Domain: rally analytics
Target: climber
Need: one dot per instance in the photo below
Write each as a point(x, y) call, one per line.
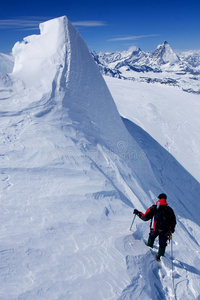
point(163, 222)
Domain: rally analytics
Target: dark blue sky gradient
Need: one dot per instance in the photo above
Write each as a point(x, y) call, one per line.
point(124, 23)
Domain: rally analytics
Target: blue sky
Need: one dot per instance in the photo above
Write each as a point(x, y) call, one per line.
point(107, 25)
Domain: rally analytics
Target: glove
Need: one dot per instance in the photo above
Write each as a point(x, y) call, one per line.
point(172, 230)
point(136, 212)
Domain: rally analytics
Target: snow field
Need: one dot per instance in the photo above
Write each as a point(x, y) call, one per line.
point(166, 113)
point(56, 241)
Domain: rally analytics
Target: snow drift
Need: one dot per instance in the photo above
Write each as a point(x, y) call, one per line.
point(71, 172)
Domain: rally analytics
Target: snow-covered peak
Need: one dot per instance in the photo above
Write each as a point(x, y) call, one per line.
point(165, 54)
point(132, 51)
point(192, 57)
point(38, 57)
point(58, 62)
point(112, 59)
point(86, 94)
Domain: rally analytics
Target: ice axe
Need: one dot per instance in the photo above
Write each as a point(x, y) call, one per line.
point(132, 221)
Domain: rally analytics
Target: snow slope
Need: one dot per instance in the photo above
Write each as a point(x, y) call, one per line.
point(169, 115)
point(6, 63)
point(71, 173)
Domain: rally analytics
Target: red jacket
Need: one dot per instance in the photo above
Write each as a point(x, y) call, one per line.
point(156, 213)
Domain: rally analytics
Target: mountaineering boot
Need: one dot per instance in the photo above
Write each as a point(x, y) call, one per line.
point(161, 252)
point(157, 257)
point(150, 242)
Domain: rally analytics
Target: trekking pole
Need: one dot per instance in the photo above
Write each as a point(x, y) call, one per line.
point(170, 239)
point(132, 222)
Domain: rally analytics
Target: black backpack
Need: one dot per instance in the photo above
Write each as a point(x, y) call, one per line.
point(163, 218)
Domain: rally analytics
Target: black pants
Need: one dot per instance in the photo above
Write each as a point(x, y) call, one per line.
point(163, 237)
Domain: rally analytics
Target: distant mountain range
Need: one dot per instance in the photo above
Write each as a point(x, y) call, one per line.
point(162, 66)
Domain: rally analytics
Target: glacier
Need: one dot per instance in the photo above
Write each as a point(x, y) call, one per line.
point(72, 170)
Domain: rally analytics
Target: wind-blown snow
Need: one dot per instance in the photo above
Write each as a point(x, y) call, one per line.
point(71, 173)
